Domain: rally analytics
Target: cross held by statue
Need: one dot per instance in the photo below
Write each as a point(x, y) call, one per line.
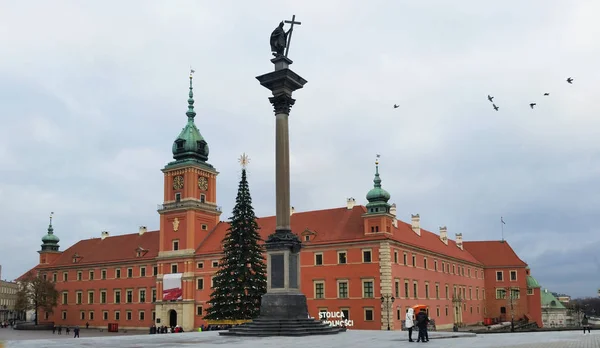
point(292, 22)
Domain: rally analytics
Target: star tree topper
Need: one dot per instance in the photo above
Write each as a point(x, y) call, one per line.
point(244, 160)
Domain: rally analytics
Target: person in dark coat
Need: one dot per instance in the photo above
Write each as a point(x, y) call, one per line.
point(586, 324)
point(422, 321)
point(76, 332)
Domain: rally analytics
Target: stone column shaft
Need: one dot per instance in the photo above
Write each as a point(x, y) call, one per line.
point(282, 171)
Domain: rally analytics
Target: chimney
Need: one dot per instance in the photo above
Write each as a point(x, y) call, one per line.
point(104, 235)
point(350, 202)
point(444, 234)
point(143, 230)
point(459, 241)
point(393, 212)
point(416, 224)
point(292, 211)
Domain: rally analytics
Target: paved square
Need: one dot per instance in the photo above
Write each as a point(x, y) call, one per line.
point(374, 339)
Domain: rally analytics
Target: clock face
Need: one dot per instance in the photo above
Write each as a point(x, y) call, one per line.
point(178, 182)
point(203, 183)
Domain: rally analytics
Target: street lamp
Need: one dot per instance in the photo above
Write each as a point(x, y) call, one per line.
point(387, 301)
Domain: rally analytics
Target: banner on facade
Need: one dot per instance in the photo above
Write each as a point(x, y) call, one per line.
point(172, 289)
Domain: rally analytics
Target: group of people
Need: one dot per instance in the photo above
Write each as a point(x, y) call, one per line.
point(421, 320)
point(165, 329)
point(58, 329)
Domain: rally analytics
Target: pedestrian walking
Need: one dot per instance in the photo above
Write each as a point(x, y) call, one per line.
point(422, 321)
point(586, 324)
point(76, 332)
point(409, 322)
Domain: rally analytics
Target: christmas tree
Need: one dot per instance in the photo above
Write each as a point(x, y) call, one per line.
point(241, 279)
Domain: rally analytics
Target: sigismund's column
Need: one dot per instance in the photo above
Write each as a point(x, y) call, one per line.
point(283, 298)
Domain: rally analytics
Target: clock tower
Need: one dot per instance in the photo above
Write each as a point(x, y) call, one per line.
point(189, 211)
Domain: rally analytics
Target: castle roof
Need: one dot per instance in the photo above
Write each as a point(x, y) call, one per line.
point(329, 226)
point(494, 253)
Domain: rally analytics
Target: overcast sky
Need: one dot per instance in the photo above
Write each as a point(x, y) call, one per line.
point(92, 95)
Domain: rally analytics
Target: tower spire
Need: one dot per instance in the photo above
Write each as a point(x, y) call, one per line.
point(50, 229)
point(377, 179)
point(191, 113)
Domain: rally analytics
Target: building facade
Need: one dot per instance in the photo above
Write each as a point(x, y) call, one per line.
point(362, 261)
point(8, 299)
point(510, 290)
point(554, 313)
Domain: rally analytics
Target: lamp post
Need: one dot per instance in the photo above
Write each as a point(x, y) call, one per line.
point(387, 301)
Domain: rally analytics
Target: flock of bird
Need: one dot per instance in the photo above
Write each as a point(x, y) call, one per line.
point(531, 105)
point(491, 99)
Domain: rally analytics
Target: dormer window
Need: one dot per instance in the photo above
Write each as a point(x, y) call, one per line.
point(179, 144)
point(76, 258)
point(201, 145)
point(139, 252)
point(307, 238)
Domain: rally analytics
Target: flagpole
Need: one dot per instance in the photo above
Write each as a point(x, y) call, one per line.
point(502, 227)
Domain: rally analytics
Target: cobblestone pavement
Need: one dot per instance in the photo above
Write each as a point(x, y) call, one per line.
point(372, 339)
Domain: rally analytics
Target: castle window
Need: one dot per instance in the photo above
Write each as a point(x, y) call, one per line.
point(499, 276)
point(130, 273)
point(79, 275)
point(529, 291)
point(342, 257)
point(174, 268)
point(178, 197)
point(425, 262)
point(318, 259)
point(105, 315)
point(307, 238)
point(199, 311)
point(91, 275)
point(205, 227)
point(202, 198)
point(319, 289)
point(65, 276)
point(200, 265)
point(176, 245)
point(179, 143)
point(366, 256)
point(368, 291)
point(117, 315)
point(103, 274)
point(154, 271)
point(142, 271)
point(200, 283)
point(215, 264)
point(369, 314)
point(513, 276)
point(117, 273)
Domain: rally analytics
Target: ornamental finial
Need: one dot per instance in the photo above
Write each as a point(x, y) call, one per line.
point(377, 159)
point(244, 160)
point(51, 213)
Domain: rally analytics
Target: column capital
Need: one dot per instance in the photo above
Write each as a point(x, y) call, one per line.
point(282, 103)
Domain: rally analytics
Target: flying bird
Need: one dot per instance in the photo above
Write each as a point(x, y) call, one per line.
point(532, 105)
point(490, 98)
point(570, 80)
point(396, 106)
point(496, 107)
point(546, 93)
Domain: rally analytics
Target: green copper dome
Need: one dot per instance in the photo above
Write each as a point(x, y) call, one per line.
point(378, 198)
point(532, 283)
point(377, 194)
point(50, 240)
point(190, 144)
